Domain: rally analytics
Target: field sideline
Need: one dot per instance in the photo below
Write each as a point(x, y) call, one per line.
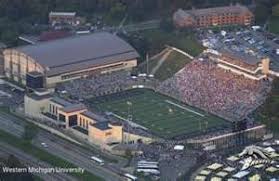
point(160, 114)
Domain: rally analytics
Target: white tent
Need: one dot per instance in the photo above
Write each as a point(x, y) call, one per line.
point(269, 149)
point(241, 174)
point(178, 147)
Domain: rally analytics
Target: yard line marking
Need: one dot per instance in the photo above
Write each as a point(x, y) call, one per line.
point(133, 124)
point(185, 108)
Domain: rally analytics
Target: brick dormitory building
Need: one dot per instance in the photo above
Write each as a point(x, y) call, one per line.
point(227, 15)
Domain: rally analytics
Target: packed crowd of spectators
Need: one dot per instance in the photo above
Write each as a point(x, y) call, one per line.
point(98, 85)
point(202, 84)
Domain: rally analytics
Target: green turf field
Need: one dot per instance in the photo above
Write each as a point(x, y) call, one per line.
point(155, 112)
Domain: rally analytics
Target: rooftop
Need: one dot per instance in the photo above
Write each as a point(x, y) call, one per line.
point(236, 9)
point(101, 125)
point(52, 13)
point(79, 52)
point(93, 116)
point(39, 97)
point(60, 101)
point(245, 58)
point(73, 108)
point(35, 74)
point(53, 35)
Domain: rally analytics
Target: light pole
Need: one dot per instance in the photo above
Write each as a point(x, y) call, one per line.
point(130, 118)
point(147, 64)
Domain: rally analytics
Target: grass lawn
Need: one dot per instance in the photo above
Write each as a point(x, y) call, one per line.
point(43, 155)
point(151, 110)
point(184, 40)
point(273, 25)
point(172, 64)
point(151, 64)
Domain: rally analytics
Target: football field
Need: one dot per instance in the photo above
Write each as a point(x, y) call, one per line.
point(160, 114)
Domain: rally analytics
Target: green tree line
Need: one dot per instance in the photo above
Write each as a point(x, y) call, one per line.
point(22, 16)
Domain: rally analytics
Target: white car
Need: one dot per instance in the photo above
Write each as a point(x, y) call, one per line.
point(142, 75)
point(44, 145)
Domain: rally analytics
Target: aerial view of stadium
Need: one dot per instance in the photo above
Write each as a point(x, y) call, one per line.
point(163, 115)
point(145, 90)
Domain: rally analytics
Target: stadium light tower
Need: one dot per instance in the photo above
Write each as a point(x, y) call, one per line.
point(147, 64)
point(130, 117)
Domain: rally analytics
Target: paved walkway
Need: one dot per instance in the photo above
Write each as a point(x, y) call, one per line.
point(161, 61)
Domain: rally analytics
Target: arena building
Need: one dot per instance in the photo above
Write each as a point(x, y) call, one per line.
point(69, 58)
point(2, 47)
point(228, 15)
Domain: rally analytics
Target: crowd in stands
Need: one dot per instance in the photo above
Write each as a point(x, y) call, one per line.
point(202, 84)
point(103, 84)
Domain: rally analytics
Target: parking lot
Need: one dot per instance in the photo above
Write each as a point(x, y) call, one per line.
point(10, 97)
point(245, 42)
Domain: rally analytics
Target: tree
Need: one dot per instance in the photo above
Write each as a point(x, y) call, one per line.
point(117, 11)
point(13, 162)
point(167, 25)
point(30, 131)
point(275, 10)
point(261, 13)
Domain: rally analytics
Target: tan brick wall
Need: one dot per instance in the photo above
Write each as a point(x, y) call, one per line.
point(1, 64)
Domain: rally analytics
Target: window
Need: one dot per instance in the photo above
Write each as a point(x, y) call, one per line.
point(62, 118)
point(72, 120)
point(108, 134)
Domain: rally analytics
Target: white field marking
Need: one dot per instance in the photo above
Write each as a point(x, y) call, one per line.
point(185, 108)
point(129, 122)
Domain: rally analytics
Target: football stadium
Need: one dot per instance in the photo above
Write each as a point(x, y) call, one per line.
point(162, 115)
point(205, 94)
point(198, 99)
